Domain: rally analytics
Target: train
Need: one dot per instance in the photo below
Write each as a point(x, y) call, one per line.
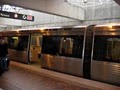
point(91, 51)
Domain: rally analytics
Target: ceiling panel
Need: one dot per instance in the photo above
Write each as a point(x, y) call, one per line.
point(89, 3)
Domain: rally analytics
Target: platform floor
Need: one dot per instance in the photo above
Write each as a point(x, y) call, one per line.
point(18, 78)
point(27, 77)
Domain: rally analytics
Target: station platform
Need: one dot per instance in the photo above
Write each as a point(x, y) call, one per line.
point(29, 77)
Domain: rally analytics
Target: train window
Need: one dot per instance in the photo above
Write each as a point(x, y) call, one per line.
point(70, 46)
point(50, 45)
point(66, 45)
point(19, 43)
point(107, 48)
point(12, 42)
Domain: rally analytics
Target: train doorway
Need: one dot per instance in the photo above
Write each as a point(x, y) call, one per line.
point(35, 50)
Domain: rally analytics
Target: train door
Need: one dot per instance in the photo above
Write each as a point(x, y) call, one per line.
point(35, 49)
point(87, 51)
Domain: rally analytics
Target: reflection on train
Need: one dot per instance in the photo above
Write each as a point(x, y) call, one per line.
point(91, 52)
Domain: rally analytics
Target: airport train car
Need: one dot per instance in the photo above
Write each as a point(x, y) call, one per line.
point(23, 45)
point(90, 52)
point(62, 50)
point(105, 59)
point(100, 52)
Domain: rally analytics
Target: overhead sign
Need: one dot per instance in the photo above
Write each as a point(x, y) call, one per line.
point(13, 15)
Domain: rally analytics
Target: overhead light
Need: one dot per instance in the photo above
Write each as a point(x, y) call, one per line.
point(85, 1)
point(65, 0)
point(79, 26)
point(10, 8)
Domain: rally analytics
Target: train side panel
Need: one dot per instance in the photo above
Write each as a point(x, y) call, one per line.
point(105, 59)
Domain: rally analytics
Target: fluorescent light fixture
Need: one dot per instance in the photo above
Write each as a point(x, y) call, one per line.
point(79, 26)
point(42, 28)
point(85, 1)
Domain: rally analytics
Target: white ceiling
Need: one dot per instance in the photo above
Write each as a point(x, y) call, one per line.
point(89, 3)
point(80, 3)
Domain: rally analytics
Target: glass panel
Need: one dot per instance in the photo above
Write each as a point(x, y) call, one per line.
point(19, 43)
point(12, 42)
point(70, 46)
point(33, 40)
point(66, 46)
point(107, 48)
point(50, 45)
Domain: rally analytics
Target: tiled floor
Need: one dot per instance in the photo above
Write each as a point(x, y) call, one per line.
point(33, 77)
point(18, 78)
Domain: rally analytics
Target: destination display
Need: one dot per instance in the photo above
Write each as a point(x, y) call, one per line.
point(13, 15)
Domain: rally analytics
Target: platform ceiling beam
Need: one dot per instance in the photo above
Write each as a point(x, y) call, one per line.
point(55, 7)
